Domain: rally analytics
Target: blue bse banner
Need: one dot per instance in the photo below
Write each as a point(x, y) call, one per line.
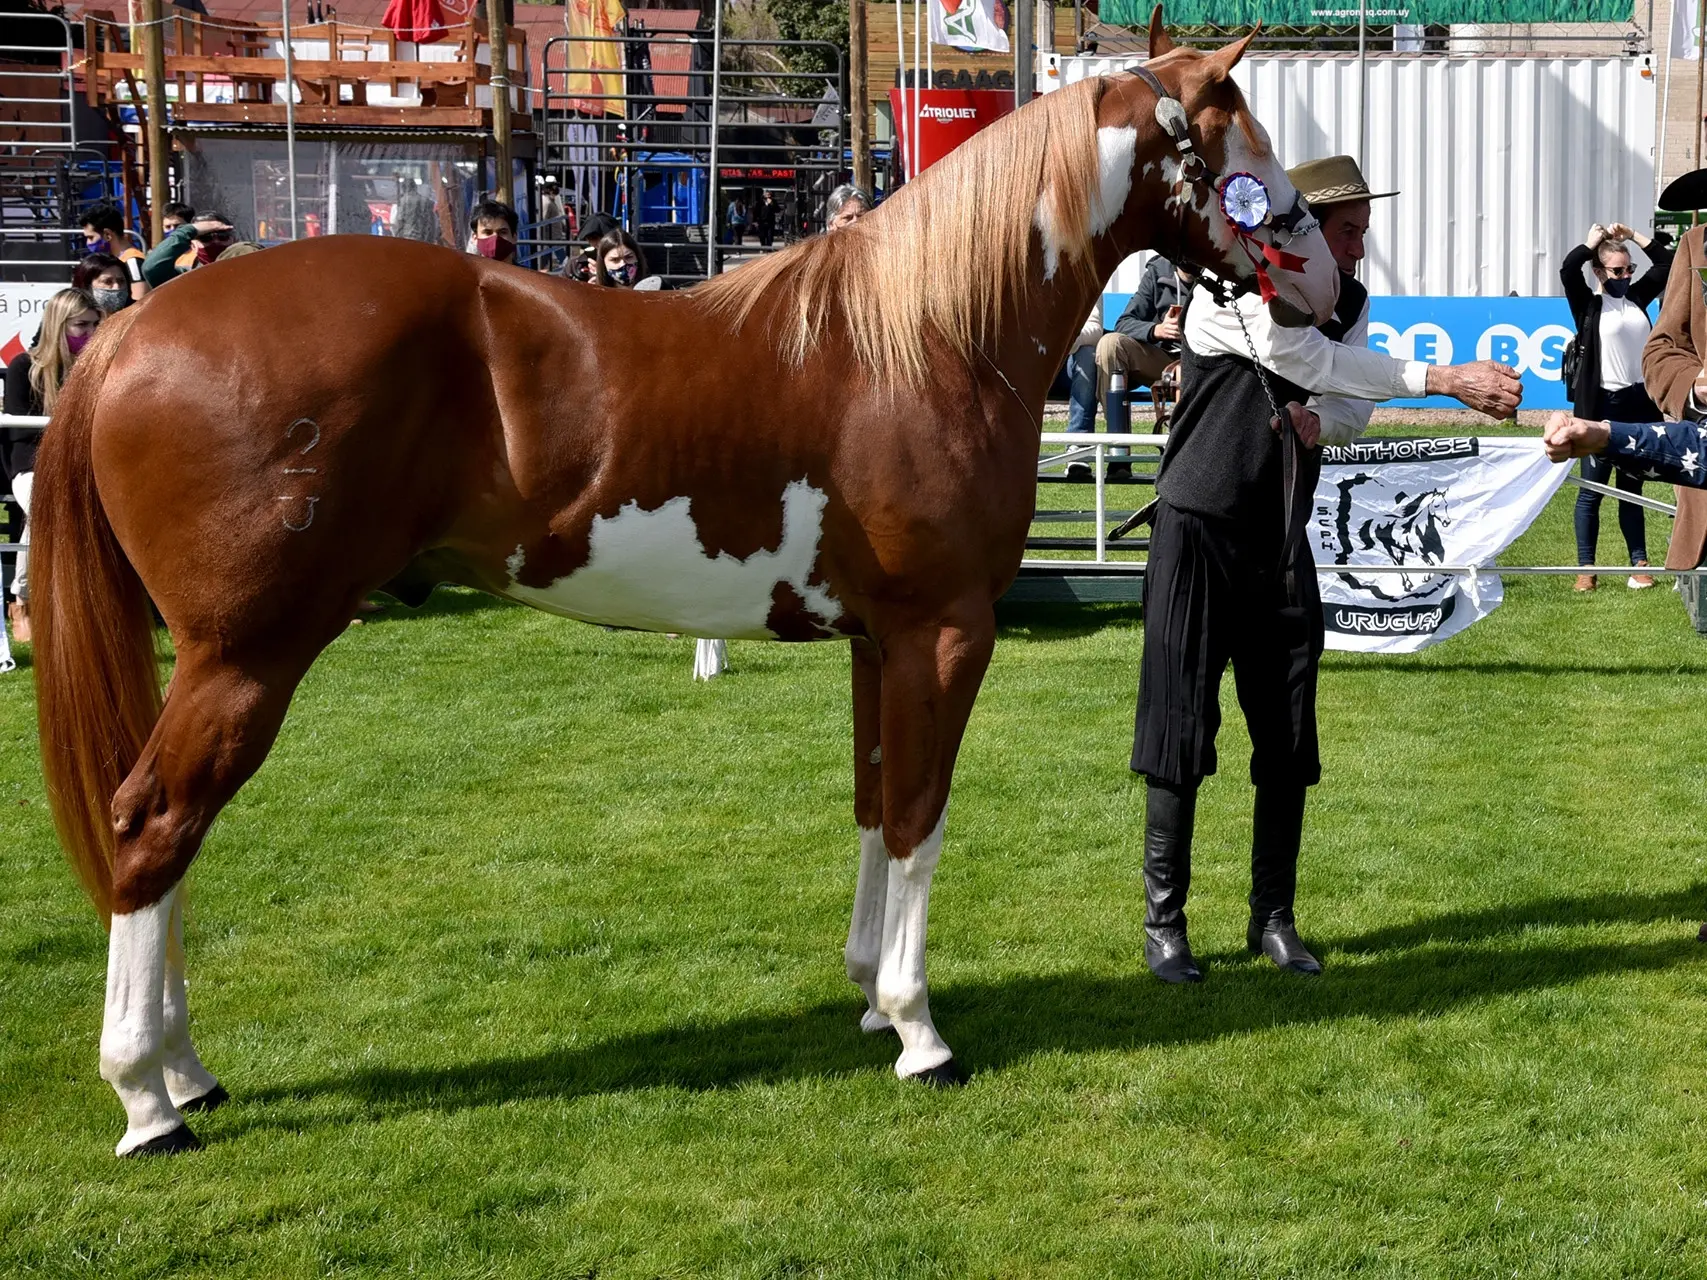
point(1529, 334)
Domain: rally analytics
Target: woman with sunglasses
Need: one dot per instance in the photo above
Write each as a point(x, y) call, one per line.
point(1612, 328)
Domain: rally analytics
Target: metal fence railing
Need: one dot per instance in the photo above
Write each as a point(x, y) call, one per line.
point(671, 150)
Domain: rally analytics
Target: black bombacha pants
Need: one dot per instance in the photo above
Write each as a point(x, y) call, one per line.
point(1214, 594)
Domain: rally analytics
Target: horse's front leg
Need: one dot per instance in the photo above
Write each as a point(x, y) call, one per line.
point(865, 931)
point(931, 676)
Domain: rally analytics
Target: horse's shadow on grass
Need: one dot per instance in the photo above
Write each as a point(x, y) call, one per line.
point(1423, 969)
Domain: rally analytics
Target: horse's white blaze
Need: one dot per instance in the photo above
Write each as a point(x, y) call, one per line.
point(865, 932)
point(186, 1078)
point(1117, 150)
point(648, 570)
point(132, 1028)
point(901, 991)
point(1319, 281)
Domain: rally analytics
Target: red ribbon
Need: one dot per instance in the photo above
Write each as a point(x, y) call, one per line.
point(1271, 256)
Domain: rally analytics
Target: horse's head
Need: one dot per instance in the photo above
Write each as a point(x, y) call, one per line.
point(1198, 152)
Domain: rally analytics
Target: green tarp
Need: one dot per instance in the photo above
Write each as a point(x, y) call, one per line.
point(1314, 13)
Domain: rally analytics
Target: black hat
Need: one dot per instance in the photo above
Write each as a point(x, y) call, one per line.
point(1686, 194)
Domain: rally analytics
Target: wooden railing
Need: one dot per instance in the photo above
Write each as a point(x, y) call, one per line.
point(228, 71)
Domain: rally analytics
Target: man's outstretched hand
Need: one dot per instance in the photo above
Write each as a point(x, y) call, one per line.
point(1566, 437)
point(1487, 386)
point(1305, 424)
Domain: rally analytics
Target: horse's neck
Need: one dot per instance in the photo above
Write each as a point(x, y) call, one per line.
point(1036, 338)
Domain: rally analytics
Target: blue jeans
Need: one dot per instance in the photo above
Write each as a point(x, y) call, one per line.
point(1629, 404)
point(1077, 382)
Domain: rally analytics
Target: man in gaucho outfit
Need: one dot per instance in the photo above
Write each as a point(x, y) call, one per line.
point(1231, 577)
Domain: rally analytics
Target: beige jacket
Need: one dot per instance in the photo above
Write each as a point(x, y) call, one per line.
point(1671, 362)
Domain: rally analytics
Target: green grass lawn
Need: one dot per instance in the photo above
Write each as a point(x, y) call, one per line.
point(522, 958)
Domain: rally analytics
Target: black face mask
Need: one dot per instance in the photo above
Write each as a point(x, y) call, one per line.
point(1616, 286)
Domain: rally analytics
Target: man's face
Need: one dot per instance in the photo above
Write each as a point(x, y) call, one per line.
point(171, 223)
point(93, 239)
point(484, 227)
point(1343, 227)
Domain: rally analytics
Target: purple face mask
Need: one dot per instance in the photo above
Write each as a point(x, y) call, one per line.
point(75, 342)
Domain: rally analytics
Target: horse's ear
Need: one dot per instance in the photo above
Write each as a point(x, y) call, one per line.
point(1223, 60)
point(1159, 42)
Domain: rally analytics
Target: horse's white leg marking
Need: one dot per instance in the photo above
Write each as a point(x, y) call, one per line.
point(186, 1078)
point(1117, 151)
point(865, 933)
point(901, 993)
point(133, 1031)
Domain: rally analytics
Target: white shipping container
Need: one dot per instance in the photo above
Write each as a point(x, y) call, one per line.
point(1501, 163)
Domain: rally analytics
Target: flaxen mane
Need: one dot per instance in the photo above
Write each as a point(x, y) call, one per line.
point(942, 253)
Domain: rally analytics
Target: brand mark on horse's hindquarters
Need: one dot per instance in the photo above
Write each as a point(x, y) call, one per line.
point(648, 570)
point(313, 434)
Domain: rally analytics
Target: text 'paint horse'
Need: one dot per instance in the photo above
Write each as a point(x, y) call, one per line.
point(837, 441)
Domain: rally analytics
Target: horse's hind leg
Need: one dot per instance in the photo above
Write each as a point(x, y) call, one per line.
point(865, 933)
point(930, 679)
point(217, 726)
point(189, 1084)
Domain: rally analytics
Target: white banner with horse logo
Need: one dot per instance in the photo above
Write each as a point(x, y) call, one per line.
point(1407, 505)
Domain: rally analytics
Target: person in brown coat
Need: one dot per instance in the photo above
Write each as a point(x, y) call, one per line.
point(1672, 360)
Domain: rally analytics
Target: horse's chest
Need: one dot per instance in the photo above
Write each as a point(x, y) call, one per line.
point(650, 571)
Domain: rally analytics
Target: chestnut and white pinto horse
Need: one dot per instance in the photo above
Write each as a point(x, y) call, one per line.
point(835, 442)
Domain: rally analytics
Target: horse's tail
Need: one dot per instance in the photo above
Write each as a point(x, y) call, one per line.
point(97, 683)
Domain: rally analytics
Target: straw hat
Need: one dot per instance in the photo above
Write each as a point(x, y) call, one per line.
point(1334, 180)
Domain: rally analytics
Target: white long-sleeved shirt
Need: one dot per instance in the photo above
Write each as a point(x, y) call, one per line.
point(1344, 377)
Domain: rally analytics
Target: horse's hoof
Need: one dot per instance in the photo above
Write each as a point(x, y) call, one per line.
point(167, 1144)
point(945, 1075)
point(871, 1022)
point(214, 1097)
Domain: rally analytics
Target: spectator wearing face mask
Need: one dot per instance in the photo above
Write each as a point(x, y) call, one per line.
point(106, 279)
point(621, 264)
point(493, 226)
point(193, 245)
point(581, 266)
point(103, 232)
point(33, 383)
point(1612, 329)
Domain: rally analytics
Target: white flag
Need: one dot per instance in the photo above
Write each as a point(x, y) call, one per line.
point(1685, 14)
point(968, 24)
point(1404, 505)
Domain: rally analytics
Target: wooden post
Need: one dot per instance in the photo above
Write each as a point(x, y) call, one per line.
point(1024, 38)
point(159, 155)
point(498, 26)
point(859, 93)
point(1700, 72)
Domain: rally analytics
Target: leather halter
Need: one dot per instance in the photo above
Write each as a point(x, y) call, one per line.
point(1194, 169)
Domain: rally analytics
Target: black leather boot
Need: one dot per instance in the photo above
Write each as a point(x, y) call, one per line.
point(1277, 829)
point(1169, 814)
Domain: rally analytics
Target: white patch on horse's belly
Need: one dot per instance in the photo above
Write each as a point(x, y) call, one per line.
point(648, 570)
